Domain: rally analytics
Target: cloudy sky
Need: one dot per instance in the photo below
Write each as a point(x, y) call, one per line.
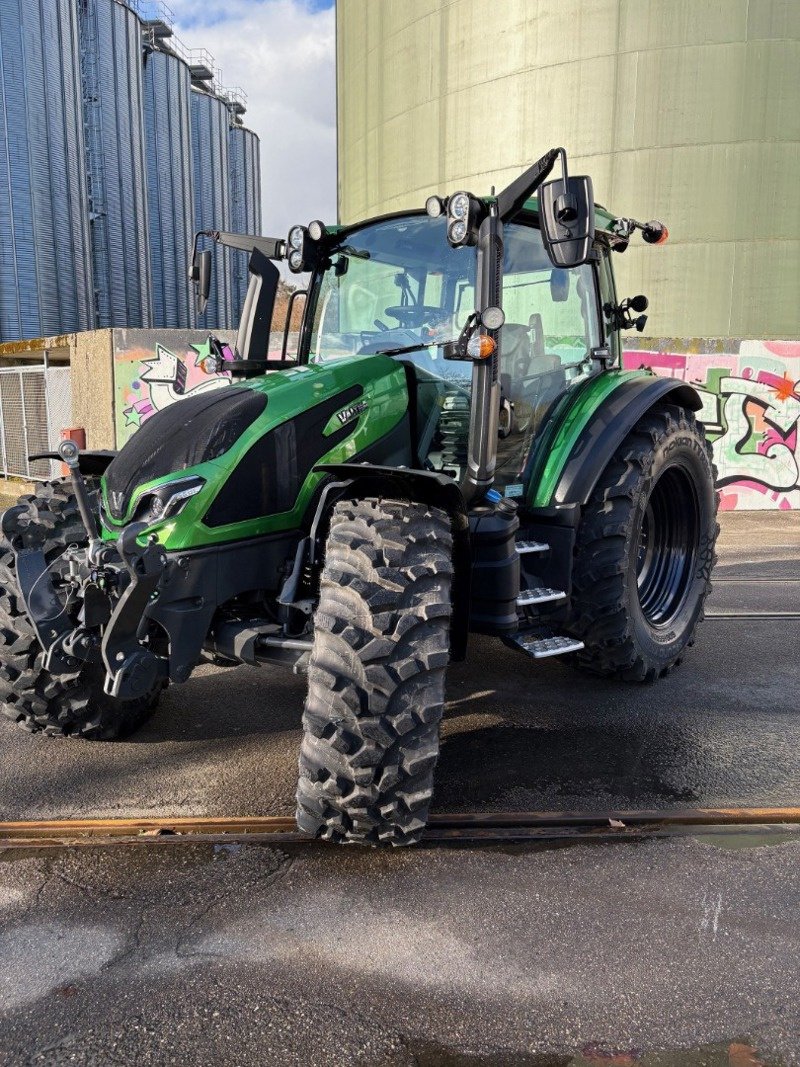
point(282, 53)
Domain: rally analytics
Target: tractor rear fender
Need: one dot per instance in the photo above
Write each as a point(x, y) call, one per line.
point(426, 487)
point(606, 428)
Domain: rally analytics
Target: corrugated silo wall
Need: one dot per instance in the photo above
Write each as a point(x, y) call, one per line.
point(170, 199)
point(210, 120)
point(111, 58)
point(245, 193)
point(680, 109)
point(45, 261)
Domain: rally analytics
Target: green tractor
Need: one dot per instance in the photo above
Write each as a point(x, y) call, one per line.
point(453, 449)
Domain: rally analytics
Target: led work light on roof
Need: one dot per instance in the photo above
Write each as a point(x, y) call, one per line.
point(296, 249)
point(434, 205)
point(462, 217)
point(316, 230)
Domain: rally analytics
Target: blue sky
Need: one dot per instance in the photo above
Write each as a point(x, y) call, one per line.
point(209, 14)
point(282, 54)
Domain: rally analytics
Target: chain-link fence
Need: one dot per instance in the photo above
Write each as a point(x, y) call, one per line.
point(35, 404)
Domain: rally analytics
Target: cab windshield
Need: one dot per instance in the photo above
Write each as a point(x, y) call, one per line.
point(397, 287)
point(393, 284)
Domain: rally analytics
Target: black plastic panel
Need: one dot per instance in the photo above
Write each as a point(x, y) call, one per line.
point(269, 476)
point(194, 430)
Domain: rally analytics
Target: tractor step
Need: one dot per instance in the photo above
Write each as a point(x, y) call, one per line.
point(540, 646)
point(543, 595)
point(524, 547)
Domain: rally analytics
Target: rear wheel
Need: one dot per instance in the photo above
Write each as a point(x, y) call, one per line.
point(40, 702)
point(645, 550)
point(377, 671)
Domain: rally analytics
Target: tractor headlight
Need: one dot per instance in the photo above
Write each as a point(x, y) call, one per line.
point(296, 237)
point(296, 261)
point(463, 211)
point(167, 501)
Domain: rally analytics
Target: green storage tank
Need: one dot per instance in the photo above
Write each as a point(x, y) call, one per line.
point(683, 110)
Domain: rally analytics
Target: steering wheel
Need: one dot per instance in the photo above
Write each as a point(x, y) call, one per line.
point(416, 314)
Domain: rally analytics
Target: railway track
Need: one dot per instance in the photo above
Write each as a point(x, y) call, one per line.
point(465, 827)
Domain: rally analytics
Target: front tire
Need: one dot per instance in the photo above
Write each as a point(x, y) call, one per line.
point(377, 671)
point(645, 550)
point(64, 705)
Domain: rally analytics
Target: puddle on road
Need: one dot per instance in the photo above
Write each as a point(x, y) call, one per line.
point(737, 1053)
point(734, 841)
point(507, 765)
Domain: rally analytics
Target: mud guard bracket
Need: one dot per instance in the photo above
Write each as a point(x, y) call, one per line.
point(43, 605)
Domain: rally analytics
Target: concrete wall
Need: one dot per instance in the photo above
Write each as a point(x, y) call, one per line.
point(118, 378)
point(683, 110)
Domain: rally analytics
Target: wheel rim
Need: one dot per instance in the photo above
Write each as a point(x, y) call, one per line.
point(668, 543)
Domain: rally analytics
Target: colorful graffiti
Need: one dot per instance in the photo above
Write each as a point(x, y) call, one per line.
point(751, 410)
point(152, 369)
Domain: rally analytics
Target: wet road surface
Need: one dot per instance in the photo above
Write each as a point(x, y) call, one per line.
point(723, 729)
point(660, 953)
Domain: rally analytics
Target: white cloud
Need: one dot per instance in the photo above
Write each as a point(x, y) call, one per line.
point(282, 53)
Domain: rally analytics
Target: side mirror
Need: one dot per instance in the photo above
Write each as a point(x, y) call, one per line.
point(566, 210)
point(202, 279)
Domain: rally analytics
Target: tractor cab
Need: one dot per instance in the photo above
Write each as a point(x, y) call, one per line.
point(396, 286)
point(497, 308)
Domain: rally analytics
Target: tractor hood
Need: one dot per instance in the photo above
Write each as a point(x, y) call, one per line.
point(239, 461)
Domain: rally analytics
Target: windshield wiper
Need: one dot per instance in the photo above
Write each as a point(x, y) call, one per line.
point(349, 250)
point(410, 348)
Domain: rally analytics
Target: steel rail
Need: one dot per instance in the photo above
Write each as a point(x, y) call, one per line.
point(751, 616)
point(479, 827)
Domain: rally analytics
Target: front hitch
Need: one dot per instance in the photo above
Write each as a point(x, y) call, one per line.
point(100, 607)
point(131, 669)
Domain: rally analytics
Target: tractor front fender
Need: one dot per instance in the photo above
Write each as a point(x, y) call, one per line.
point(424, 487)
point(608, 426)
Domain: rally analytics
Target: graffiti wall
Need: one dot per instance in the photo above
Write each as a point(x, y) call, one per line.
point(750, 392)
point(153, 368)
point(751, 410)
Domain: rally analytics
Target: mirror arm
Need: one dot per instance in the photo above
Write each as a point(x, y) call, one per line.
point(512, 199)
point(292, 298)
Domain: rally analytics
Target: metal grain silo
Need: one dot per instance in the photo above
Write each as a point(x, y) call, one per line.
point(111, 62)
point(686, 110)
point(210, 160)
point(245, 195)
point(45, 262)
point(168, 132)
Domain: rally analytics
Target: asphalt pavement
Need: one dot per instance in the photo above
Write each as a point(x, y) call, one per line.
point(679, 951)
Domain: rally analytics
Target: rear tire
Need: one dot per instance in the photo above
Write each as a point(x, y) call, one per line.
point(645, 550)
point(377, 671)
point(71, 705)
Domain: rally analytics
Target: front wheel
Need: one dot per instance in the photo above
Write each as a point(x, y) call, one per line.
point(376, 676)
point(645, 550)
